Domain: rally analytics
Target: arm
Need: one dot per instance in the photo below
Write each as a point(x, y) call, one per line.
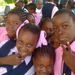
point(10, 60)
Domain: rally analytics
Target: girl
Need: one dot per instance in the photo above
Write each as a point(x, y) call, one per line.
point(32, 9)
point(30, 18)
point(13, 20)
point(27, 40)
point(64, 21)
point(43, 59)
point(46, 24)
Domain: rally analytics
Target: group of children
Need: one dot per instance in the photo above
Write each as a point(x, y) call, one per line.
point(43, 48)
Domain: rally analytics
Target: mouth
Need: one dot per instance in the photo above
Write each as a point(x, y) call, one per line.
point(63, 40)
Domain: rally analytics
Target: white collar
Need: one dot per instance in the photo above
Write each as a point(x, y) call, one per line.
point(27, 59)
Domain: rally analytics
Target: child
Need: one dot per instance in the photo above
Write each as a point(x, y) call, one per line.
point(30, 18)
point(27, 40)
point(64, 21)
point(32, 9)
point(43, 60)
point(13, 20)
point(46, 24)
point(39, 5)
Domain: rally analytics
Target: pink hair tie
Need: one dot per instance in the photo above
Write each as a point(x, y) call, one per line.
point(24, 23)
point(42, 40)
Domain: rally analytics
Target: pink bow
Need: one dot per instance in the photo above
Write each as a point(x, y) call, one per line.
point(17, 32)
point(42, 40)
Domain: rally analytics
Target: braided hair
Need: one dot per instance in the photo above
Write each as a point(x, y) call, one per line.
point(44, 51)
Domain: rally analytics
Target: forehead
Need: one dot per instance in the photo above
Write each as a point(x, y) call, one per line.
point(62, 18)
point(13, 17)
point(48, 24)
point(45, 60)
point(39, 2)
point(25, 35)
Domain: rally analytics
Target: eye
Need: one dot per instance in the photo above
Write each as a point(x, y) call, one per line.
point(16, 23)
point(20, 42)
point(41, 66)
point(49, 66)
point(65, 26)
point(29, 45)
point(7, 22)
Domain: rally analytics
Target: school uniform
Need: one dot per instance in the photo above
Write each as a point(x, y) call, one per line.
point(37, 18)
point(60, 67)
point(49, 9)
point(3, 34)
point(25, 68)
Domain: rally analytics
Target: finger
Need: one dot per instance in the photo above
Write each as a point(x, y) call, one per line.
point(62, 46)
point(68, 46)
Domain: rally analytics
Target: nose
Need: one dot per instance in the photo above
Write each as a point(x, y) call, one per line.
point(24, 48)
point(60, 31)
point(44, 69)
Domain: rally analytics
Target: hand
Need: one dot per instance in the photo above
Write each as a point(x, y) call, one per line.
point(69, 57)
point(11, 60)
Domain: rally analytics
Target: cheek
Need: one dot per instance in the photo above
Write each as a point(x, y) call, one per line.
point(50, 70)
point(18, 46)
point(37, 68)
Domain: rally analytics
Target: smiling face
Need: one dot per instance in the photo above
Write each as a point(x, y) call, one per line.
point(26, 42)
point(65, 28)
point(48, 27)
point(12, 23)
point(31, 19)
point(43, 65)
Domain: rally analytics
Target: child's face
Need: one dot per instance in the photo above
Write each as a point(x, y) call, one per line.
point(31, 19)
point(26, 42)
point(65, 28)
point(43, 65)
point(48, 27)
point(39, 5)
point(12, 23)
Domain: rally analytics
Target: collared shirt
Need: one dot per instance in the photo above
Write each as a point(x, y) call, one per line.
point(3, 34)
point(27, 59)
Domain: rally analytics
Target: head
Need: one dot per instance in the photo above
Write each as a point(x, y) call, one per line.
point(31, 8)
point(39, 4)
point(43, 60)
point(64, 21)
point(46, 24)
point(30, 18)
point(27, 39)
point(13, 20)
point(69, 4)
point(19, 4)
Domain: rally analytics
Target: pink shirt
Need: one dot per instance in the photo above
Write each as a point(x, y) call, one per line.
point(3, 34)
point(58, 67)
point(37, 18)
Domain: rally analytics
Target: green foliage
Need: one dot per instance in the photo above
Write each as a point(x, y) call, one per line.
point(9, 1)
point(5, 2)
